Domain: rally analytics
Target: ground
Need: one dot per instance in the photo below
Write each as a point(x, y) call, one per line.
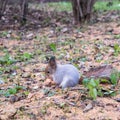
point(24, 52)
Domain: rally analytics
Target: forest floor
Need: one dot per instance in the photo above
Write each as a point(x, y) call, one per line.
point(24, 91)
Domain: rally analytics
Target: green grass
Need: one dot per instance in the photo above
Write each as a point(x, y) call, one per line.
point(61, 6)
point(51, 6)
point(100, 5)
point(66, 6)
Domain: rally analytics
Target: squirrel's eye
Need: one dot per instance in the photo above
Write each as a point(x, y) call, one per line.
point(48, 72)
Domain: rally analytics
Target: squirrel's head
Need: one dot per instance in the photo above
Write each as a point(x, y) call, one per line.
point(51, 67)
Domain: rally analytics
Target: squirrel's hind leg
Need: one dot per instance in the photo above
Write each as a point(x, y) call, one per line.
point(67, 82)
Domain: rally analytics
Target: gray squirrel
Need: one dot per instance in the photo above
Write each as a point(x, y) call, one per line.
point(64, 75)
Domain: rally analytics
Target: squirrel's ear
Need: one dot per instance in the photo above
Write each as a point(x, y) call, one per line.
point(52, 62)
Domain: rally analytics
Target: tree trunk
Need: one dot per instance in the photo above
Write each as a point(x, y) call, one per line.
point(82, 10)
point(23, 5)
point(2, 7)
point(24, 10)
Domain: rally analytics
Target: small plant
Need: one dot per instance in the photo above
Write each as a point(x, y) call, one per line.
point(26, 93)
point(25, 56)
point(93, 87)
point(53, 47)
point(4, 34)
point(109, 92)
point(11, 91)
point(116, 49)
point(7, 59)
point(117, 36)
point(1, 70)
point(114, 77)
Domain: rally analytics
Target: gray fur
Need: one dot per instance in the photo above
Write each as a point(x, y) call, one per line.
point(66, 75)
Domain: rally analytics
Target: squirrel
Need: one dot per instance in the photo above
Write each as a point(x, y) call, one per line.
point(64, 75)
